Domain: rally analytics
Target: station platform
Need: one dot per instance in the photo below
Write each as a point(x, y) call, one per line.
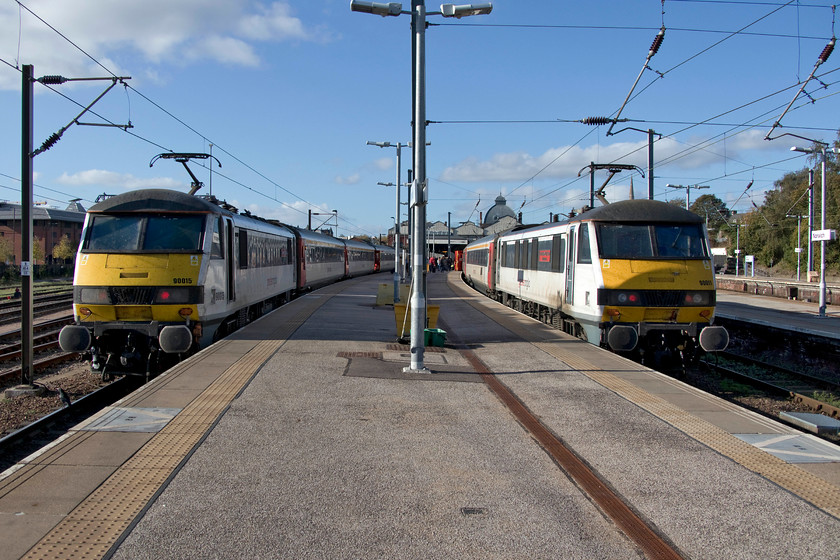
point(300, 436)
point(800, 316)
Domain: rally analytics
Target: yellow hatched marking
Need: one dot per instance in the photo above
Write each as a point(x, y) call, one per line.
point(95, 525)
point(794, 479)
point(790, 477)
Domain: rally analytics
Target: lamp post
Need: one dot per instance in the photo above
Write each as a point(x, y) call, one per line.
point(687, 189)
point(821, 150)
point(418, 196)
point(331, 213)
point(397, 245)
point(798, 240)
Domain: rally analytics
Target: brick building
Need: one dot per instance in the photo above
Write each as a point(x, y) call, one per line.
point(49, 226)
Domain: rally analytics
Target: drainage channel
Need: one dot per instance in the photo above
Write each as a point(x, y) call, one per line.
point(634, 527)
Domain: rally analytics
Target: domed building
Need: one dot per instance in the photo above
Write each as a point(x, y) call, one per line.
point(500, 217)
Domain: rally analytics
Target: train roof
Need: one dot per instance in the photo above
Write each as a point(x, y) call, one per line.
point(154, 200)
point(641, 210)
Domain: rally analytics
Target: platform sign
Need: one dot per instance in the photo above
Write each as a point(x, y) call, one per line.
point(824, 235)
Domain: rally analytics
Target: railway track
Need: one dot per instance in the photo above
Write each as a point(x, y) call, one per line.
point(44, 342)
point(817, 394)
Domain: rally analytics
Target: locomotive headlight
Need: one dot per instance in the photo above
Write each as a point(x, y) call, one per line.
point(172, 295)
point(185, 312)
point(697, 298)
point(96, 296)
point(85, 312)
point(628, 298)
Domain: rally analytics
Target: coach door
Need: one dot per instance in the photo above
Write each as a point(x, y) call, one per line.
point(231, 260)
point(570, 268)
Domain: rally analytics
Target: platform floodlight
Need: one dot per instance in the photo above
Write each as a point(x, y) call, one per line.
point(378, 8)
point(461, 10)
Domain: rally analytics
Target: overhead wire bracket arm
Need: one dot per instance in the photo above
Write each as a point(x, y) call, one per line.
point(58, 80)
point(654, 48)
point(826, 52)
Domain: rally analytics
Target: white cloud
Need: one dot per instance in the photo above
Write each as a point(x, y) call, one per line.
point(384, 163)
point(125, 181)
point(348, 180)
point(567, 161)
point(223, 49)
point(272, 23)
point(159, 30)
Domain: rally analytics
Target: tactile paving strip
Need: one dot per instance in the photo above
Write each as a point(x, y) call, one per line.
point(790, 477)
point(794, 479)
point(97, 524)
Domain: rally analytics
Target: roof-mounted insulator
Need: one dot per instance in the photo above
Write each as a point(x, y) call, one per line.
point(826, 52)
point(597, 121)
point(52, 80)
point(657, 42)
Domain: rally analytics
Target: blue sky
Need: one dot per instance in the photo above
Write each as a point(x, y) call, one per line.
point(288, 92)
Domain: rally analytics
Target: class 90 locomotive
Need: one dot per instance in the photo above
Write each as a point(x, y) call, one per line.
point(161, 274)
point(633, 276)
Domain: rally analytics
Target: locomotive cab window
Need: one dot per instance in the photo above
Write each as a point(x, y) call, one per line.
point(667, 241)
point(158, 233)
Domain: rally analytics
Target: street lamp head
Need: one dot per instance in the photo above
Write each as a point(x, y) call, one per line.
point(461, 10)
point(380, 144)
point(378, 8)
point(801, 150)
point(385, 184)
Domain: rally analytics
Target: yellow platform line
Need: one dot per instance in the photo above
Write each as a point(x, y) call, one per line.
point(97, 524)
point(800, 482)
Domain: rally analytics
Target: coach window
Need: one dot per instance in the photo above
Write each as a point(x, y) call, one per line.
point(558, 254)
point(510, 254)
point(243, 248)
point(584, 249)
point(544, 259)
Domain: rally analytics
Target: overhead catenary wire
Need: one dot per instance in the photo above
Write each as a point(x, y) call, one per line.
point(169, 113)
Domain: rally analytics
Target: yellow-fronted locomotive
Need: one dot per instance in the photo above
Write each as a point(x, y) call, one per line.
point(634, 276)
point(161, 274)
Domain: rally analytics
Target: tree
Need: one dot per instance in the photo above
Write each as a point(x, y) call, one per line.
point(64, 250)
point(7, 252)
point(713, 209)
point(37, 250)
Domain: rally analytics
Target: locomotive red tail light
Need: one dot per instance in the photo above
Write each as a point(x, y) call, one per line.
point(628, 298)
point(172, 295)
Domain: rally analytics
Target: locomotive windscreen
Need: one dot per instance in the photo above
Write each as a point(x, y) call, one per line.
point(137, 232)
point(633, 241)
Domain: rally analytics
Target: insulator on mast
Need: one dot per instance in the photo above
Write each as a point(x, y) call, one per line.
point(596, 120)
point(52, 80)
point(826, 52)
point(657, 42)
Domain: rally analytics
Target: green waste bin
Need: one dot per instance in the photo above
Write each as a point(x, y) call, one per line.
point(435, 337)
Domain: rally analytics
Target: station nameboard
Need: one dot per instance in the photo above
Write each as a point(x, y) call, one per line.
point(824, 235)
